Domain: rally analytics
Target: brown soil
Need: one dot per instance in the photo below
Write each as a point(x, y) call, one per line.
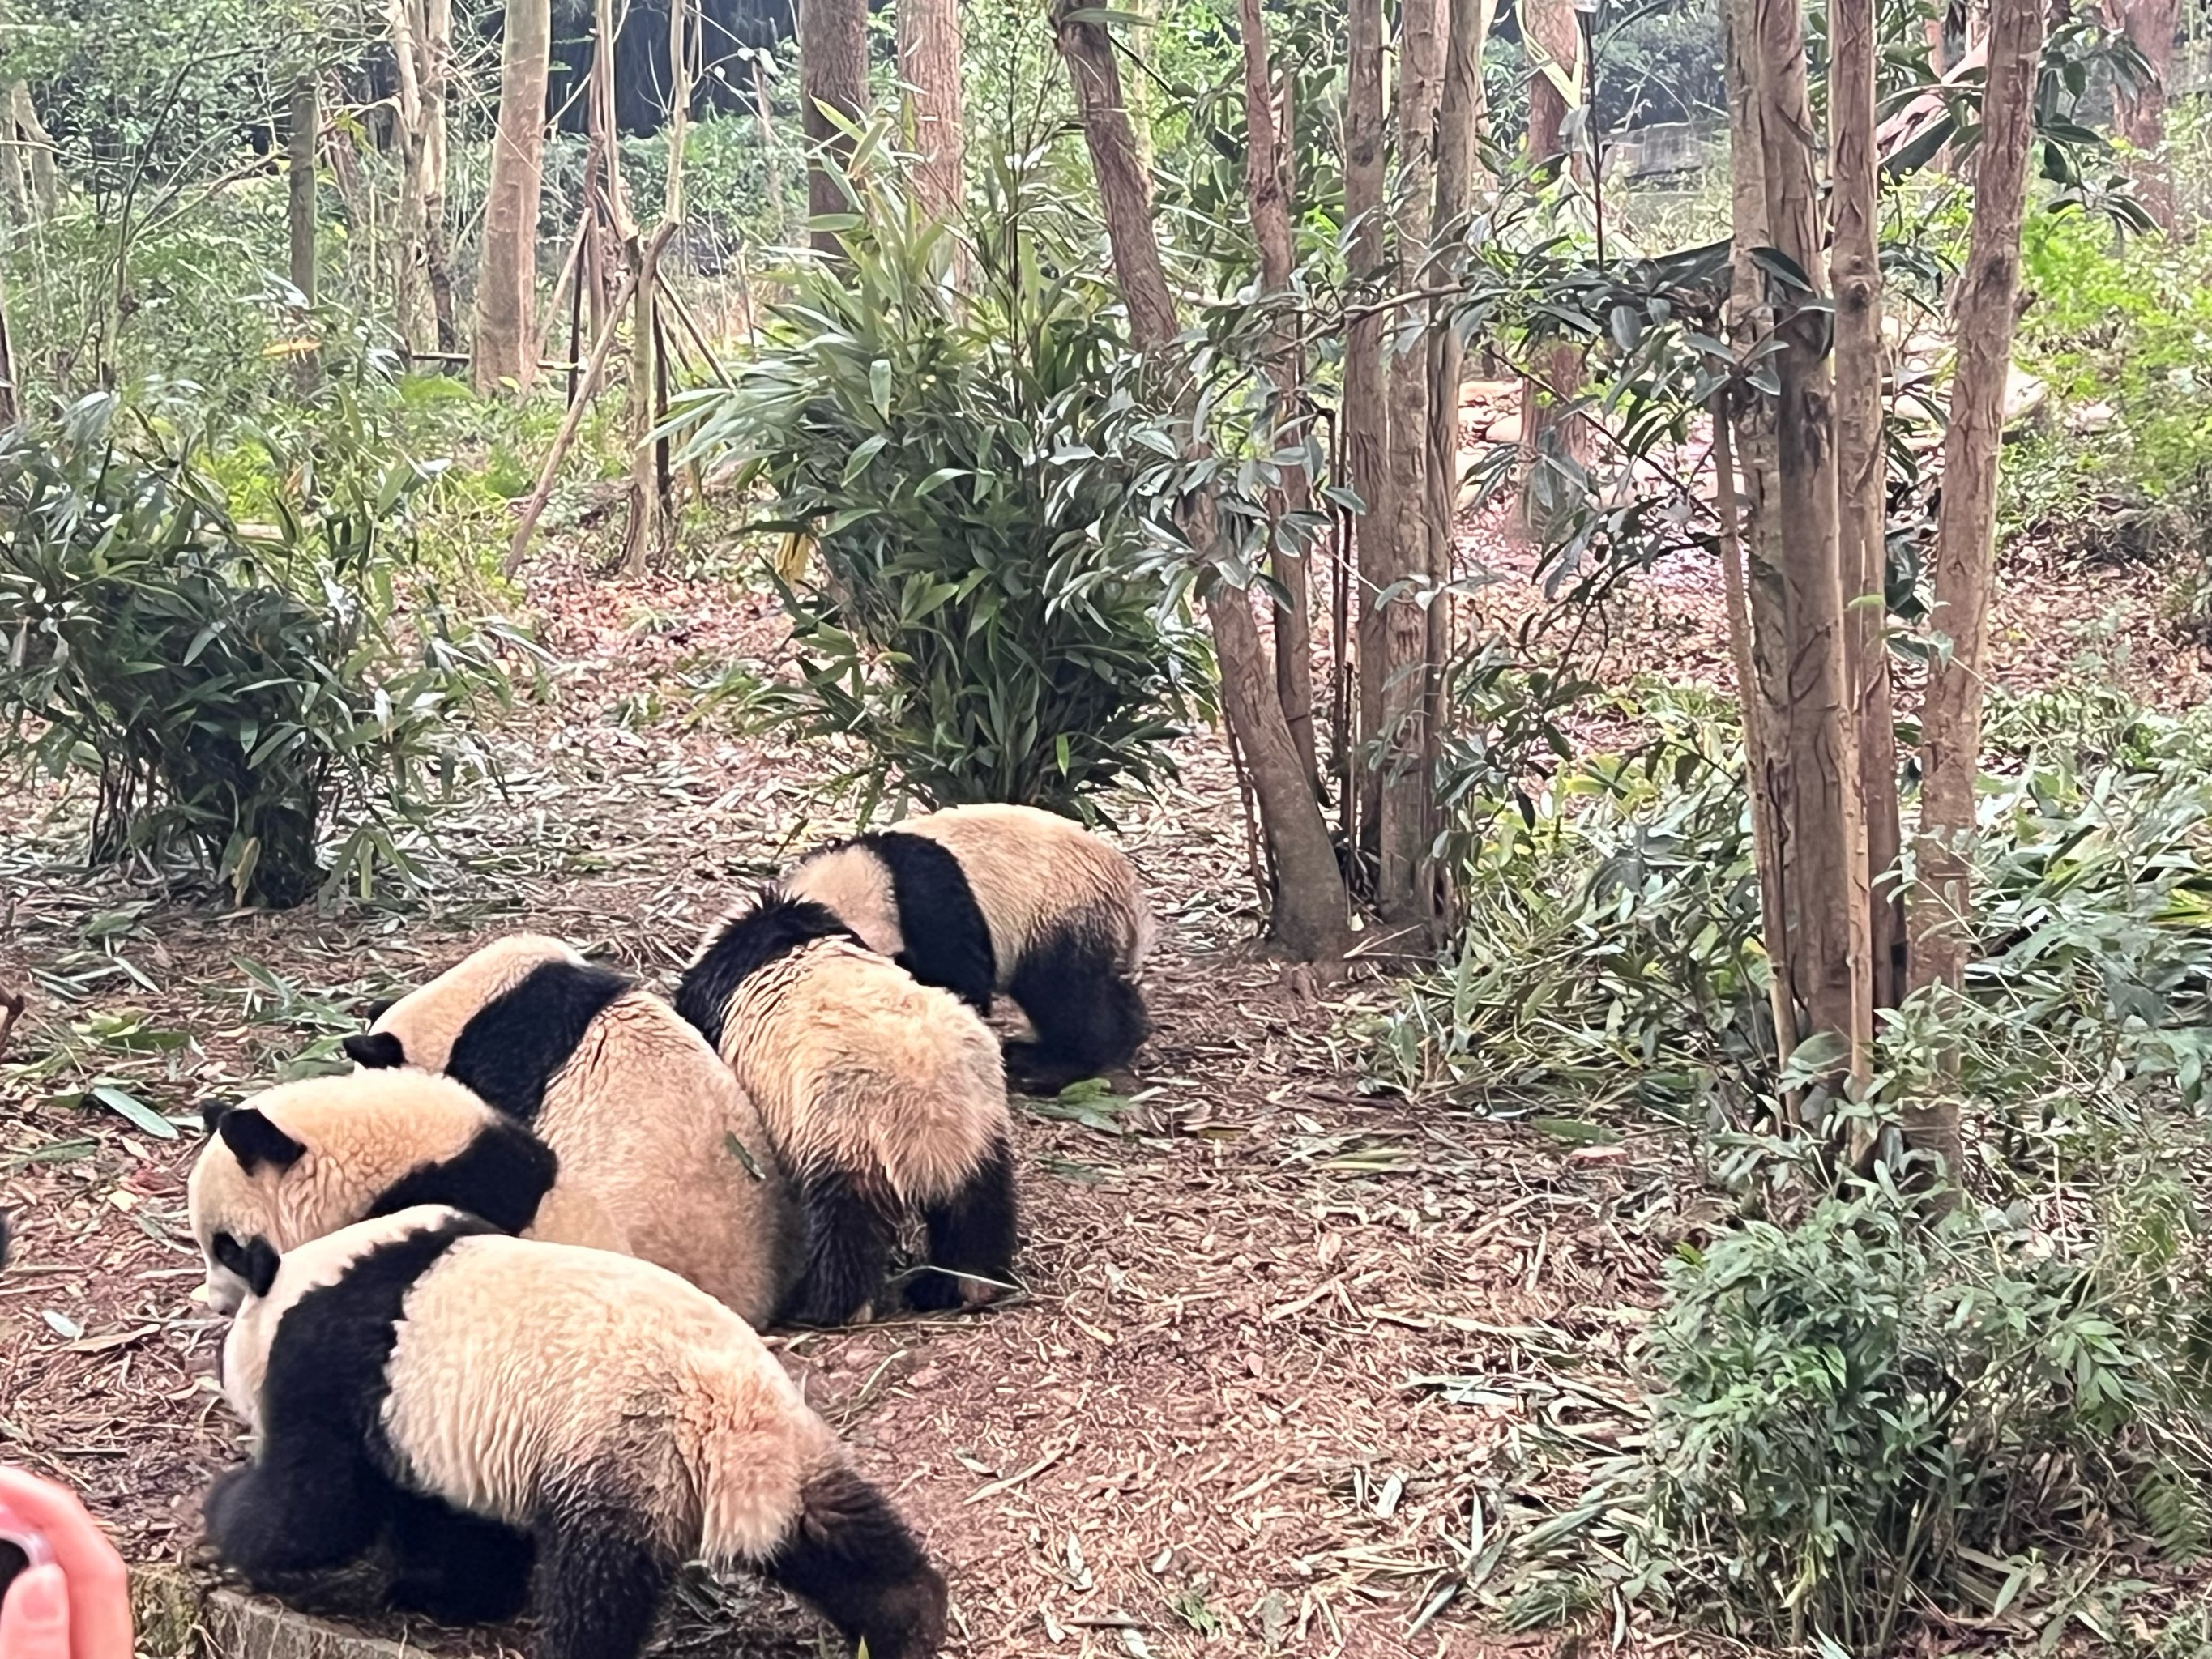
point(1204, 1427)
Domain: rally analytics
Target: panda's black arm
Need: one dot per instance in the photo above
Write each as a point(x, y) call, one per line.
point(295, 1512)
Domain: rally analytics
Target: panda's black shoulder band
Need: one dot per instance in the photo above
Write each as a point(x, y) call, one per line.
point(774, 928)
point(948, 943)
point(513, 1046)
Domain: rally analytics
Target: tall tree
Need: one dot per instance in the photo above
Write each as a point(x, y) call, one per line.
point(929, 44)
point(1404, 892)
point(833, 75)
point(1826, 829)
point(2140, 111)
point(1366, 416)
point(422, 51)
point(1310, 917)
point(507, 277)
point(1557, 78)
point(1266, 169)
point(1862, 475)
point(1985, 309)
point(303, 131)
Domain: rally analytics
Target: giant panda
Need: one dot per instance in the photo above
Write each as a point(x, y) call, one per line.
point(303, 1159)
point(987, 898)
point(880, 1093)
point(641, 1111)
point(481, 1404)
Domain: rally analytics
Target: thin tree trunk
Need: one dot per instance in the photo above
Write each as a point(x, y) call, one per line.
point(1264, 175)
point(1403, 892)
point(37, 148)
point(832, 74)
point(1366, 416)
point(303, 128)
point(507, 277)
point(11, 391)
point(1750, 318)
point(1983, 313)
point(929, 45)
point(411, 297)
point(1829, 888)
point(1758, 745)
point(1459, 125)
point(1863, 476)
point(2141, 115)
point(683, 26)
point(772, 168)
point(436, 44)
point(1554, 47)
point(1309, 917)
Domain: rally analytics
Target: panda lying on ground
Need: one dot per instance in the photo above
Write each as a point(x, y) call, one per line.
point(481, 1404)
point(987, 898)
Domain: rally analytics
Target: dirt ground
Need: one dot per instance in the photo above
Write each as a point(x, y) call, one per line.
point(1287, 1350)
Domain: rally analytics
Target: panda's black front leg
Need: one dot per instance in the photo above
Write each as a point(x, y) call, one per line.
point(454, 1567)
point(847, 1253)
point(971, 1240)
point(302, 1508)
point(600, 1581)
point(849, 1554)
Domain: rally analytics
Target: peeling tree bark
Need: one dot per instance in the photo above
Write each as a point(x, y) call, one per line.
point(1366, 417)
point(1553, 44)
point(1862, 477)
point(1827, 829)
point(303, 129)
point(929, 39)
point(2141, 115)
point(833, 72)
point(506, 279)
point(1403, 892)
point(1983, 314)
point(1266, 170)
point(1310, 919)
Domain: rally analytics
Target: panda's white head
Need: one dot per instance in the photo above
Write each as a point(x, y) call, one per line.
point(420, 1029)
point(303, 1159)
point(244, 1361)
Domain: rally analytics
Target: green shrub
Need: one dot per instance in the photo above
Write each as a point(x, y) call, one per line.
point(1870, 1414)
point(231, 686)
point(963, 601)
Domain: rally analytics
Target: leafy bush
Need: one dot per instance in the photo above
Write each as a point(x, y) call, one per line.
point(971, 613)
point(230, 685)
point(1872, 1413)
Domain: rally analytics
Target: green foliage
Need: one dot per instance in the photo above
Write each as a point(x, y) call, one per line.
point(2117, 329)
point(971, 614)
point(233, 686)
point(1873, 1412)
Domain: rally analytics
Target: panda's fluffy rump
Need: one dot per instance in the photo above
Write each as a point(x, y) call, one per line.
point(517, 1359)
point(1039, 879)
point(652, 1113)
point(519, 1365)
point(858, 1067)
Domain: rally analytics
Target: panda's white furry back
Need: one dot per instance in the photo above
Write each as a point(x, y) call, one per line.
point(987, 898)
point(641, 1111)
point(477, 1403)
point(882, 1095)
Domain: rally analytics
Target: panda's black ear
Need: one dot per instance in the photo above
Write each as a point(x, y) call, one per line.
point(254, 1140)
point(377, 1010)
point(212, 1114)
point(260, 1265)
point(377, 1051)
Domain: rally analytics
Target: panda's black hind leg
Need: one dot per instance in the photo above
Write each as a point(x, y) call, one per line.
point(848, 1553)
point(600, 1580)
point(971, 1240)
point(847, 1253)
point(1088, 1018)
point(455, 1567)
